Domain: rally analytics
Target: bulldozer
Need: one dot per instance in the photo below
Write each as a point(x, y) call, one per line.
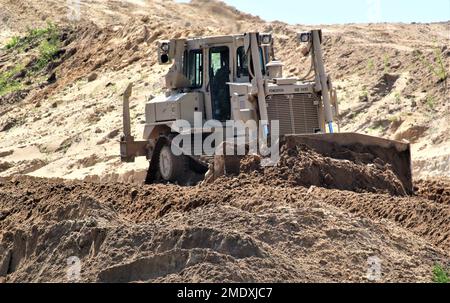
point(238, 78)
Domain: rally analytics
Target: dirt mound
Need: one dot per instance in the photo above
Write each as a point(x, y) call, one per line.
point(173, 234)
point(312, 218)
point(437, 190)
point(423, 217)
point(302, 166)
point(21, 195)
point(383, 73)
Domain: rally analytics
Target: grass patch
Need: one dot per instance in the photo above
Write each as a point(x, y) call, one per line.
point(370, 65)
point(7, 83)
point(45, 42)
point(398, 98)
point(431, 102)
point(10, 88)
point(437, 66)
point(440, 275)
point(364, 94)
point(47, 51)
point(13, 42)
point(440, 70)
point(33, 37)
point(48, 47)
point(36, 33)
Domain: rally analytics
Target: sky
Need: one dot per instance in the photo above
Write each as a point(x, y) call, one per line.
point(345, 11)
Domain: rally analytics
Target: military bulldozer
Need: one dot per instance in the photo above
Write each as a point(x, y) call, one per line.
point(238, 78)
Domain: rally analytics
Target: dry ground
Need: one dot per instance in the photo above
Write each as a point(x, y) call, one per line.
point(59, 191)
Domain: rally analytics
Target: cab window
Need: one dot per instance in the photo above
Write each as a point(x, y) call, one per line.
point(242, 62)
point(193, 67)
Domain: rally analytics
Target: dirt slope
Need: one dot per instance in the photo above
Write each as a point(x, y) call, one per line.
point(168, 233)
point(60, 117)
point(386, 75)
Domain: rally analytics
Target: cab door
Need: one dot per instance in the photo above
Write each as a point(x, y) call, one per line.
point(219, 72)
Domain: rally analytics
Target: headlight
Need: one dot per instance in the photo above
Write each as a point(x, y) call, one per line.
point(305, 37)
point(266, 39)
point(165, 47)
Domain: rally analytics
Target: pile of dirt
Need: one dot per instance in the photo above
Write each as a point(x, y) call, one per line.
point(437, 190)
point(140, 204)
point(383, 74)
point(425, 218)
point(311, 218)
point(302, 166)
point(230, 231)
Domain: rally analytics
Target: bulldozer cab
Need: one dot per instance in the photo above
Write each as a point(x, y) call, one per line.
point(208, 65)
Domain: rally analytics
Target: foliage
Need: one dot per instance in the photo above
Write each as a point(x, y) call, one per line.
point(7, 82)
point(440, 275)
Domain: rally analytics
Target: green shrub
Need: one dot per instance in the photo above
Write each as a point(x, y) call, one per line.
point(440, 70)
point(431, 102)
point(7, 84)
point(440, 275)
point(398, 97)
point(370, 65)
point(437, 67)
point(45, 40)
point(10, 88)
point(47, 51)
point(13, 42)
point(33, 37)
point(38, 33)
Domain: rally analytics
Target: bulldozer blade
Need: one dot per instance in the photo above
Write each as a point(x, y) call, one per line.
point(353, 146)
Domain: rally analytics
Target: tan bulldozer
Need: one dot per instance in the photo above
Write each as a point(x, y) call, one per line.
point(237, 78)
